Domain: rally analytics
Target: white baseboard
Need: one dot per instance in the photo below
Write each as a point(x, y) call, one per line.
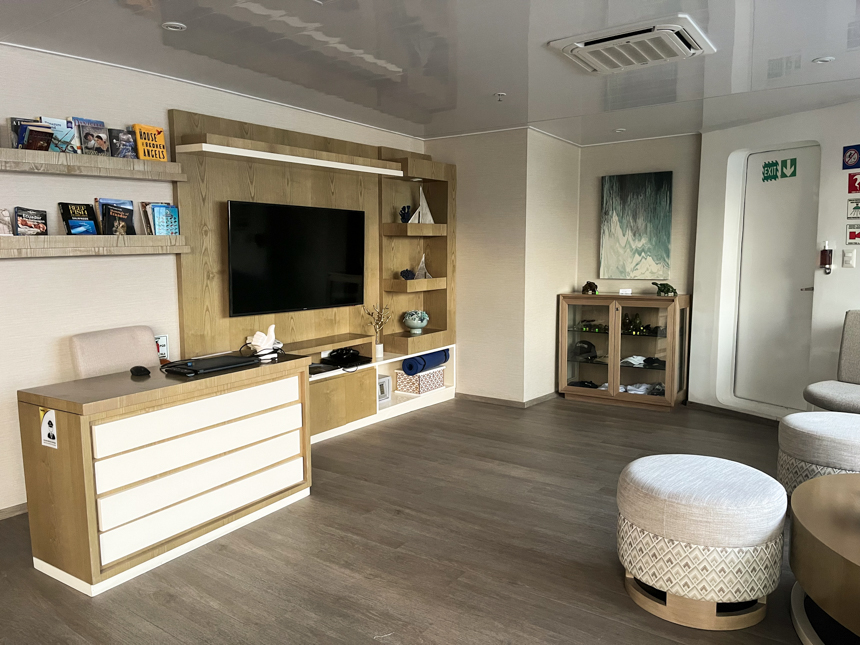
point(149, 565)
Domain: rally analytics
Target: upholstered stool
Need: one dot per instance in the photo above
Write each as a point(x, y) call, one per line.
point(700, 539)
point(812, 444)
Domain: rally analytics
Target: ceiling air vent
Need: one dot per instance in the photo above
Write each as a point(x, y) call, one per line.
point(619, 49)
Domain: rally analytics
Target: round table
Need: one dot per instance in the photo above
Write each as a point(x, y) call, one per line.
point(825, 557)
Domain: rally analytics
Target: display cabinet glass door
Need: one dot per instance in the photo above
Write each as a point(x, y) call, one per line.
point(645, 361)
point(588, 345)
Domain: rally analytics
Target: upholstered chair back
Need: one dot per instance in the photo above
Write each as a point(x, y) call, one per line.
point(113, 350)
point(849, 350)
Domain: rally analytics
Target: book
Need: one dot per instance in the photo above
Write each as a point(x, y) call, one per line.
point(80, 219)
point(117, 216)
point(146, 215)
point(34, 136)
point(93, 136)
point(64, 135)
point(150, 142)
point(15, 128)
point(122, 144)
point(165, 219)
point(29, 221)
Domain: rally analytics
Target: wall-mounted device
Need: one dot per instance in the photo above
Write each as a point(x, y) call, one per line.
point(825, 260)
point(384, 387)
point(291, 258)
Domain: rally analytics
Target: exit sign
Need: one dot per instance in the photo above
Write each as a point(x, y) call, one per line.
point(773, 170)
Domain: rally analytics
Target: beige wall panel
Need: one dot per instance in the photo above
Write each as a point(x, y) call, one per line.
point(552, 220)
point(491, 202)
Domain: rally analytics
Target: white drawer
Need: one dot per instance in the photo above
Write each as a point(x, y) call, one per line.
point(136, 465)
point(149, 530)
point(147, 498)
point(133, 432)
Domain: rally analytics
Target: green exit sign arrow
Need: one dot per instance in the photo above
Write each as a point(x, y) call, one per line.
point(788, 168)
point(773, 170)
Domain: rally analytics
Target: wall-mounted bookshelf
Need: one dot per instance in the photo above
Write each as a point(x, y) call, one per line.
point(53, 246)
point(414, 286)
point(61, 163)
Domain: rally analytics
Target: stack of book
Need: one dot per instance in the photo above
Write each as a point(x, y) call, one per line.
point(107, 217)
point(76, 135)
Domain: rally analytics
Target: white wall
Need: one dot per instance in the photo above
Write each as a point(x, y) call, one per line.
point(678, 154)
point(491, 232)
point(552, 223)
point(44, 301)
point(718, 243)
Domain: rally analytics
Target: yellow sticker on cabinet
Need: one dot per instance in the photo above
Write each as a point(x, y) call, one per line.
point(49, 427)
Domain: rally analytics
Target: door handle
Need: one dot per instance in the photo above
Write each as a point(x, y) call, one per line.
point(808, 289)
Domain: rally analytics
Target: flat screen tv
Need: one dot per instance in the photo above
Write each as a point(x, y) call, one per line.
point(292, 258)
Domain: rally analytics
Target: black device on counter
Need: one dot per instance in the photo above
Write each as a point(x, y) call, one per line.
point(345, 358)
point(195, 366)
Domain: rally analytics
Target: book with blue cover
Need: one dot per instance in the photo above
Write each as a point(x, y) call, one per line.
point(64, 137)
point(165, 219)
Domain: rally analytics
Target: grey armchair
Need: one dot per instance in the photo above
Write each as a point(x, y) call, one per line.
point(113, 350)
point(843, 394)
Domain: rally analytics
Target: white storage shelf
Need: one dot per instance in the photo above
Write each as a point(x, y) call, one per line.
point(400, 402)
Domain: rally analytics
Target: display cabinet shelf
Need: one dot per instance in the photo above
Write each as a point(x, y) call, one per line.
point(663, 385)
point(414, 230)
point(414, 286)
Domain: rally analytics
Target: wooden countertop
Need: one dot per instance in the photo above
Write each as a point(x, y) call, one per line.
point(112, 391)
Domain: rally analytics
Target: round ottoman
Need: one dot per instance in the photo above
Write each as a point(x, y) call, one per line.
point(700, 539)
point(812, 444)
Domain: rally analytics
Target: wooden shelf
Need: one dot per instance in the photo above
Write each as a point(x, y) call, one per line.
point(61, 163)
point(427, 170)
point(414, 286)
point(221, 147)
point(327, 343)
point(414, 230)
point(51, 246)
point(405, 342)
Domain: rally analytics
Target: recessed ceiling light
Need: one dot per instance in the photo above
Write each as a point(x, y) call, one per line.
point(620, 130)
point(173, 26)
point(824, 59)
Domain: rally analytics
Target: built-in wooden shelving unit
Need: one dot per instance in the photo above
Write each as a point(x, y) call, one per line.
point(404, 342)
point(222, 147)
point(327, 343)
point(414, 230)
point(61, 163)
point(414, 286)
point(52, 246)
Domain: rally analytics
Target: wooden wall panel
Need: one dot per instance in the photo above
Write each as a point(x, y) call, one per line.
point(203, 279)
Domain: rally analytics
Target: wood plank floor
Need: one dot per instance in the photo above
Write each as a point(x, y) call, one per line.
point(460, 523)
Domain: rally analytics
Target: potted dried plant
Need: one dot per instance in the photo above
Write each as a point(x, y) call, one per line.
point(378, 319)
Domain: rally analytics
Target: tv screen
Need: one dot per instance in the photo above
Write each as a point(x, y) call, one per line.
point(290, 258)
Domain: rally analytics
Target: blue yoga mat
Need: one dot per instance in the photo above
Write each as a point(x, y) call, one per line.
point(425, 362)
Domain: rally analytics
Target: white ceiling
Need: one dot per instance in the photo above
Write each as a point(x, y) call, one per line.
point(430, 68)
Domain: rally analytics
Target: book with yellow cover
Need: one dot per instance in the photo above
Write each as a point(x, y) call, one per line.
point(150, 142)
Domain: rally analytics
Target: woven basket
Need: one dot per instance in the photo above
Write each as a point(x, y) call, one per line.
point(422, 382)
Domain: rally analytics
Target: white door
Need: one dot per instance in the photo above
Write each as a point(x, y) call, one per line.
point(778, 261)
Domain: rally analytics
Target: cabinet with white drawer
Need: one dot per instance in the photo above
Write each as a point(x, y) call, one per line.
point(154, 471)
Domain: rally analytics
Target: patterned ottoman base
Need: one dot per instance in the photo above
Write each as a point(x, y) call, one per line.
point(792, 472)
point(698, 586)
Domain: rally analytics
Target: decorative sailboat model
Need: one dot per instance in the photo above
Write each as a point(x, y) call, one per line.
point(422, 214)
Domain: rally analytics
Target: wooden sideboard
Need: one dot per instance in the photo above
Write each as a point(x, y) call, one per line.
point(142, 470)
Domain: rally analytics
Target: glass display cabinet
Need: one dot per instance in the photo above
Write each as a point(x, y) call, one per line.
point(624, 349)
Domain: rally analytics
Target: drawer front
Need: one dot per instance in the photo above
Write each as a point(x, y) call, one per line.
point(136, 465)
point(162, 492)
point(155, 528)
point(150, 427)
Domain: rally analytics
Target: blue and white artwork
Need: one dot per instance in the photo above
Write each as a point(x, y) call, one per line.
point(636, 226)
